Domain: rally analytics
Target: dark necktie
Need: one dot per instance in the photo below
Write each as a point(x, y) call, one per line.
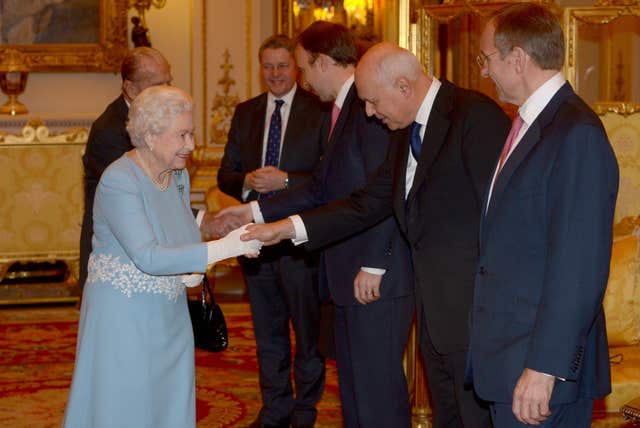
point(416, 141)
point(272, 155)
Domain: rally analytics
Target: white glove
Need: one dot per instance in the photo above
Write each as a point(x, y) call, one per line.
point(231, 246)
point(191, 280)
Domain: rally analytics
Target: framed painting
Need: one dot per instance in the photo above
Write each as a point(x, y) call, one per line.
point(66, 35)
point(363, 17)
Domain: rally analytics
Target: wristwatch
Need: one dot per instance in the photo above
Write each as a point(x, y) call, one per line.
point(286, 182)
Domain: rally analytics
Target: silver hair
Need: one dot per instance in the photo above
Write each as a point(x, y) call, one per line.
point(399, 63)
point(153, 111)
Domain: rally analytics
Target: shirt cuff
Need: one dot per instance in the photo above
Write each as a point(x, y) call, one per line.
point(550, 375)
point(245, 194)
point(199, 217)
point(257, 212)
point(375, 271)
point(301, 230)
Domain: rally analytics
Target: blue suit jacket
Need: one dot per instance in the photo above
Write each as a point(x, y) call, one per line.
point(545, 247)
point(357, 147)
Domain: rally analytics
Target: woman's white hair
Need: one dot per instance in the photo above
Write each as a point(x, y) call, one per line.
point(153, 111)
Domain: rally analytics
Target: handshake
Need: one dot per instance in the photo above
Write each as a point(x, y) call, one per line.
point(231, 218)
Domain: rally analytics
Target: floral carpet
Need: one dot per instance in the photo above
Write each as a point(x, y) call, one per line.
point(37, 347)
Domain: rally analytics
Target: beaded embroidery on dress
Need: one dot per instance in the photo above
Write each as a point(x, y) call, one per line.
point(129, 279)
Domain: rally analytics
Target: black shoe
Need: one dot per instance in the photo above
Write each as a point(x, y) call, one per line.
point(257, 424)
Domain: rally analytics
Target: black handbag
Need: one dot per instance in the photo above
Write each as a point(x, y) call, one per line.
point(209, 326)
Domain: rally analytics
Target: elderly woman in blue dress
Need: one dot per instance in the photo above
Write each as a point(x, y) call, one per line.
point(135, 353)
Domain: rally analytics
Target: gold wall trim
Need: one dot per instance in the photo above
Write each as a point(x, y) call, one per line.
point(205, 97)
point(35, 131)
point(622, 108)
point(247, 23)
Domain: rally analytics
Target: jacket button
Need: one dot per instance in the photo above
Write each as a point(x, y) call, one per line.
point(482, 270)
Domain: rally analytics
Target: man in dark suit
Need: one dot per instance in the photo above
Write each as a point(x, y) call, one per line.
point(274, 143)
point(432, 182)
point(539, 343)
point(108, 138)
point(367, 275)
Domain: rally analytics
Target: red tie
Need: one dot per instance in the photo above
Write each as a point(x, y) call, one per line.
point(334, 117)
point(511, 138)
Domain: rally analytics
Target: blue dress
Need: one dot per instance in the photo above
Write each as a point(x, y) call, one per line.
point(135, 353)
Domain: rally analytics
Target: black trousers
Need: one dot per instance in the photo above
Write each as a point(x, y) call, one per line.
point(454, 404)
point(283, 290)
point(370, 342)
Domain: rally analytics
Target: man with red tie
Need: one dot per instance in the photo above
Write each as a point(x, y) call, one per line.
point(539, 343)
point(275, 141)
point(368, 275)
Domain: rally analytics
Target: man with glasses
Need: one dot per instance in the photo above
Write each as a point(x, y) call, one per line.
point(538, 341)
point(433, 183)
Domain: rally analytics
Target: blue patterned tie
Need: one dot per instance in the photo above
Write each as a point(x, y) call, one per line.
point(416, 141)
point(273, 140)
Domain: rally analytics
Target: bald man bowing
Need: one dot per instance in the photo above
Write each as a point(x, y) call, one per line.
point(432, 182)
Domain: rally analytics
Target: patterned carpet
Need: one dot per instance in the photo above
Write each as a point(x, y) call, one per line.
point(37, 347)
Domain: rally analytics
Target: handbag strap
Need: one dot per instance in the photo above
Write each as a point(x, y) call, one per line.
point(206, 289)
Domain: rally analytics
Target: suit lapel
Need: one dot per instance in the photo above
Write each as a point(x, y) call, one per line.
point(345, 111)
point(401, 148)
point(256, 134)
point(434, 136)
point(529, 140)
point(336, 139)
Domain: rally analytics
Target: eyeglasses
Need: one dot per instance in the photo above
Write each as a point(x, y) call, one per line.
point(483, 58)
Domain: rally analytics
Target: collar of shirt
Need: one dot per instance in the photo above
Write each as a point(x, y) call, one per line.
point(422, 117)
point(287, 98)
point(344, 90)
point(537, 101)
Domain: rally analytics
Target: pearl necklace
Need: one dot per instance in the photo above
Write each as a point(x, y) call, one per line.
point(162, 185)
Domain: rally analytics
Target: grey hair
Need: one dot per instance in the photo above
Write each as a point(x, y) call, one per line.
point(398, 63)
point(153, 111)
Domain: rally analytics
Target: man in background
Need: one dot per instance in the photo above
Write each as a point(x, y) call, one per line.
point(539, 343)
point(274, 143)
point(432, 181)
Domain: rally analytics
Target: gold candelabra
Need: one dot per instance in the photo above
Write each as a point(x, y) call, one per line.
point(141, 6)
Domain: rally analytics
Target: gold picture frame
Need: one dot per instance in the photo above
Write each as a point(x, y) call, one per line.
point(293, 16)
point(101, 49)
point(600, 52)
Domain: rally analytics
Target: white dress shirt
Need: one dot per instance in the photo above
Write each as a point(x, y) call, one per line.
point(529, 111)
point(422, 117)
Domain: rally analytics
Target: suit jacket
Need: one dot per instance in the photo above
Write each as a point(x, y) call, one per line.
point(440, 218)
point(545, 247)
point(357, 148)
point(303, 145)
point(108, 140)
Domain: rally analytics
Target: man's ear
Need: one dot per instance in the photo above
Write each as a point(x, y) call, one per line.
point(130, 89)
point(403, 85)
point(520, 58)
point(324, 61)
